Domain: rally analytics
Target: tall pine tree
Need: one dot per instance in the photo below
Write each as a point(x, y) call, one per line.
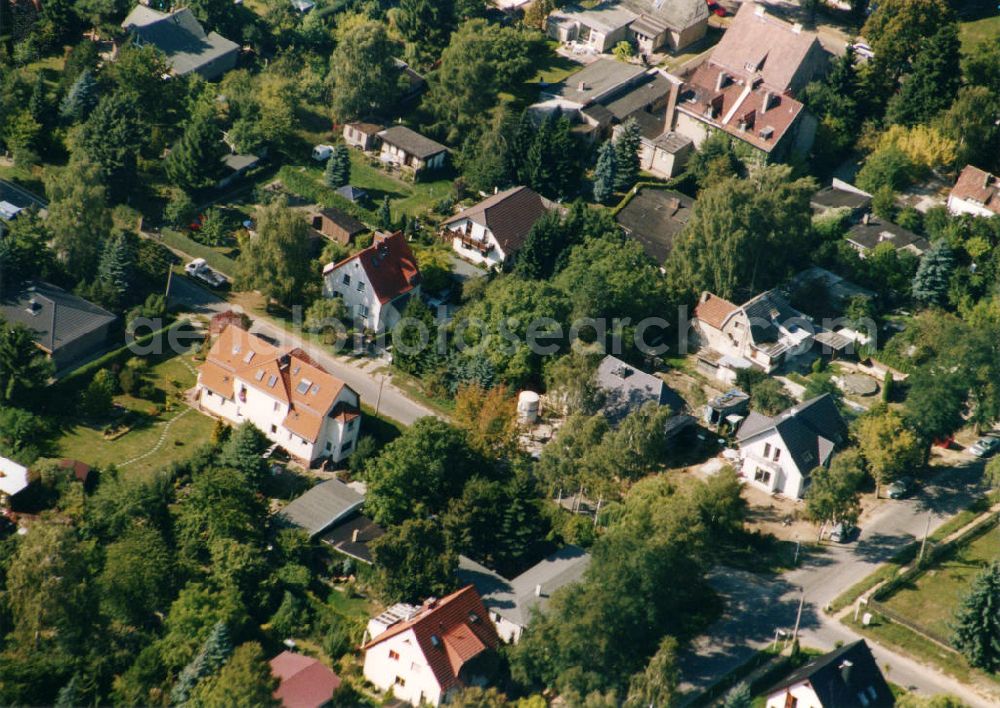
point(338, 168)
point(81, 98)
point(605, 173)
point(977, 621)
point(627, 154)
point(193, 163)
point(214, 653)
point(934, 81)
point(930, 284)
point(243, 451)
point(116, 270)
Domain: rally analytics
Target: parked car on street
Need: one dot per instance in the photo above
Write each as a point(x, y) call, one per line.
point(843, 532)
point(900, 488)
point(985, 446)
point(199, 269)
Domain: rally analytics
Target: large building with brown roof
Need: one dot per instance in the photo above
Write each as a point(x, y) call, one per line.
point(424, 654)
point(976, 192)
point(286, 394)
point(375, 283)
point(495, 229)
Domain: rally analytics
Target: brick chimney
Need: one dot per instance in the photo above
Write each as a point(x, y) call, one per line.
point(675, 90)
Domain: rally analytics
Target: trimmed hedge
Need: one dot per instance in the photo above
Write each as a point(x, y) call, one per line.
point(683, 183)
point(305, 185)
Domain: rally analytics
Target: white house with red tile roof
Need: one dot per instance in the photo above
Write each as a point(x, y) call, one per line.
point(976, 192)
point(376, 282)
point(304, 682)
point(424, 654)
point(287, 395)
point(493, 230)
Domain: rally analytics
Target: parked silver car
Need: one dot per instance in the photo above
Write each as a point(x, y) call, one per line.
point(984, 446)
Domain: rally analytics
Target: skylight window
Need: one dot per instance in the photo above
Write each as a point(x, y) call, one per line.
point(249, 357)
point(435, 641)
point(315, 389)
point(271, 381)
point(260, 375)
point(303, 386)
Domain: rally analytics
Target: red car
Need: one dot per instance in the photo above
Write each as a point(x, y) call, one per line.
point(716, 9)
point(196, 224)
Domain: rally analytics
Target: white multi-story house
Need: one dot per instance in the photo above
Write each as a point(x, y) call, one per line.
point(376, 282)
point(424, 654)
point(976, 192)
point(292, 399)
point(778, 453)
point(492, 231)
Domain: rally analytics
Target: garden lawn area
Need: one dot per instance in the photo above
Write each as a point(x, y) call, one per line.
point(972, 33)
point(213, 256)
point(187, 427)
point(410, 198)
point(931, 599)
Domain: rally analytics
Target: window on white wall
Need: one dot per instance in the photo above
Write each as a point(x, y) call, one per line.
point(361, 285)
point(347, 279)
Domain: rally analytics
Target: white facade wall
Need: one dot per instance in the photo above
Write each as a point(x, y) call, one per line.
point(803, 693)
point(405, 664)
point(508, 631)
point(963, 206)
point(268, 413)
point(357, 294)
point(493, 259)
point(777, 475)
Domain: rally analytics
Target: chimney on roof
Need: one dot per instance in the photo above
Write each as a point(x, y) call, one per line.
point(866, 219)
point(759, 10)
point(284, 361)
point(986, 180)
point(797, 28)
point(721, 81)
point(845, 671)
point(675, 90)
point(581, 86)
point(354, 535)
point(538, 590)
point(766, 104)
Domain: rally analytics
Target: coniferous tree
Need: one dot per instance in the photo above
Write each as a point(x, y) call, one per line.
point(116, 270)
point(930, 284)
point(385, 214)
point(6, 30)
point(81, 98)
point(214, 653)
point(193, 163)
point(627, 154)
point(70, 695)
point(739, 696)
point(934, 81)
point(605, 173)
point(38, 104)
point(113, 137)
point(542, 248)
point(338, 168)
point(414, 339)
point(977, 622)
point(243, 451)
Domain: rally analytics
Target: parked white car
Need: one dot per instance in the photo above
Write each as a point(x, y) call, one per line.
point(321, 153)
point(862, 50)
point(198, 268)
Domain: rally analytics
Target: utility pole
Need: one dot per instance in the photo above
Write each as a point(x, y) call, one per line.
point(378, 401)
point(798, 617)
point(923, 544)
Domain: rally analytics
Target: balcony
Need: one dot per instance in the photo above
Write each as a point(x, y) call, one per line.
point(474, 244)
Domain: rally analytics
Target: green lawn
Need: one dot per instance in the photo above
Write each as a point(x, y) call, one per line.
point(410, 198)
point(187, 428)
point(972, 33)
point(215, 257)
point(931, 599)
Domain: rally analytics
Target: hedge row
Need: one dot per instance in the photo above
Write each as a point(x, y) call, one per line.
point(303, 184)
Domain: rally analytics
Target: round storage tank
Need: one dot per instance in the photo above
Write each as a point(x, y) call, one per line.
point(527, 406)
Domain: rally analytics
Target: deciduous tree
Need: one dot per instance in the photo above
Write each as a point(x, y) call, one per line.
point(888, 446)
point(79, 218)
point(244, 680)
point(833, 495)
point(931, 85)
point(277, 261)
point(24, 369)
point(364, 74)
point(413, 561)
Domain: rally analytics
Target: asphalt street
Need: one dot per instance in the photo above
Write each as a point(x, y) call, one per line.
point(757, 606)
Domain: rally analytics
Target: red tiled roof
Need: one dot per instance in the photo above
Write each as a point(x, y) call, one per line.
point(447, 634)
point(509, 215)
point(389, 264)
point(737, 104)
point(222, 320)
point(979, 186)
point(713, 310)
point(80, 470)
point(292, 377)
point(305, 682)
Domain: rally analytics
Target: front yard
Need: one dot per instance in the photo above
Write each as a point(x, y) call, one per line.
point(164, 431)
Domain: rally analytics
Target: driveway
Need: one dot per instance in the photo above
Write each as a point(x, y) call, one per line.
point(393, 403)
point(757, 606)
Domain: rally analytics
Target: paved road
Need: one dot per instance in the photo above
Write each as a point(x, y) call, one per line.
point(356, 372)
point(757, 606)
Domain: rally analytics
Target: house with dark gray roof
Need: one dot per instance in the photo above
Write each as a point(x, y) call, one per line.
point(15, 200)
point(410, 150)
point(841, 196)
point(492, 232)
point(777, 453)
point(179, 35)
point(873, 231)
point(625, 388)
point(654, 217)
point(511, 602)
point(845, 677)
point(67, 328)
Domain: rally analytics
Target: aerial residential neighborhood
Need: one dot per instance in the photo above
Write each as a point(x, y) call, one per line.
point(481, 353)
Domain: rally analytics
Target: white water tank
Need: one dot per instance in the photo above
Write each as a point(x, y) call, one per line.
point(527, 406)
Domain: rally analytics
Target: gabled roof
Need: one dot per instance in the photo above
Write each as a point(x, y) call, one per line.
point(515, 599)
point(342, 219)
point(389, 264)
point(839, 677)
point(873, 231)
point(411, 142)
point(509, 215)
point(654, 217)
point(714, 310)
point(322, 506)
point(450, 633)
point(978, 186)
point(13, 477)
point(291, 377)
point(809, 430)
point(55, 317)
point(675, 14)
point(626, 388)
point(179, 36)
point(759, 43)
point(305, 682)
